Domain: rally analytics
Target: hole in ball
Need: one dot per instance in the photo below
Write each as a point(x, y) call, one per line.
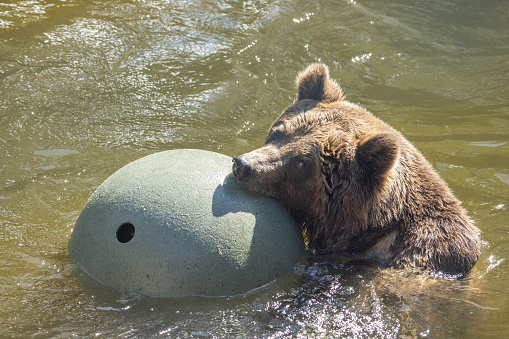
point(125, 232)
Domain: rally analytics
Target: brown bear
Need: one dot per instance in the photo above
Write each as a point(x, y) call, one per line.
point(356, 185)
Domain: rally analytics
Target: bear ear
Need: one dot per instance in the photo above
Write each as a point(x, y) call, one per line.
point(377, 154)
point(314, 83)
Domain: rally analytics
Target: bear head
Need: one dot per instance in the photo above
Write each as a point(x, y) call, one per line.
point(327, 160)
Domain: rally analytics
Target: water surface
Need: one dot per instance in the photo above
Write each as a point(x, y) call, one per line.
point(89, 86)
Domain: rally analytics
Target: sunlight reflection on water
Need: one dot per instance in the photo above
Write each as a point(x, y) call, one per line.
point(88, 87)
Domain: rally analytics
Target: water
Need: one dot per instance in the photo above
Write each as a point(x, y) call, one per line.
point(89, 86)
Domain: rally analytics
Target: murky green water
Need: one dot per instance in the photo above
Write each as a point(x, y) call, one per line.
point(88, 86)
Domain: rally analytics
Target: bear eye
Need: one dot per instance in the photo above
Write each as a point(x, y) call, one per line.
point(275, 135)
point(300, 169)
point(300, 164)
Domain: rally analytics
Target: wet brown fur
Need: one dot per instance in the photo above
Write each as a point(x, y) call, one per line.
point(358, 186)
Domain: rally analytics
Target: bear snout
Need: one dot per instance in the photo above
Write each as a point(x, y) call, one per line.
point(241, 168)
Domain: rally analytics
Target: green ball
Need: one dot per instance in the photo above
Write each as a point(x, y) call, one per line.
point(176, 223)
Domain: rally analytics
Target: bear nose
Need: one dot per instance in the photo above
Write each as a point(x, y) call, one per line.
point(241, 168)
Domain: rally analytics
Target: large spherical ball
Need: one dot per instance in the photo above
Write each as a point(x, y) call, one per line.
point(176, 223)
